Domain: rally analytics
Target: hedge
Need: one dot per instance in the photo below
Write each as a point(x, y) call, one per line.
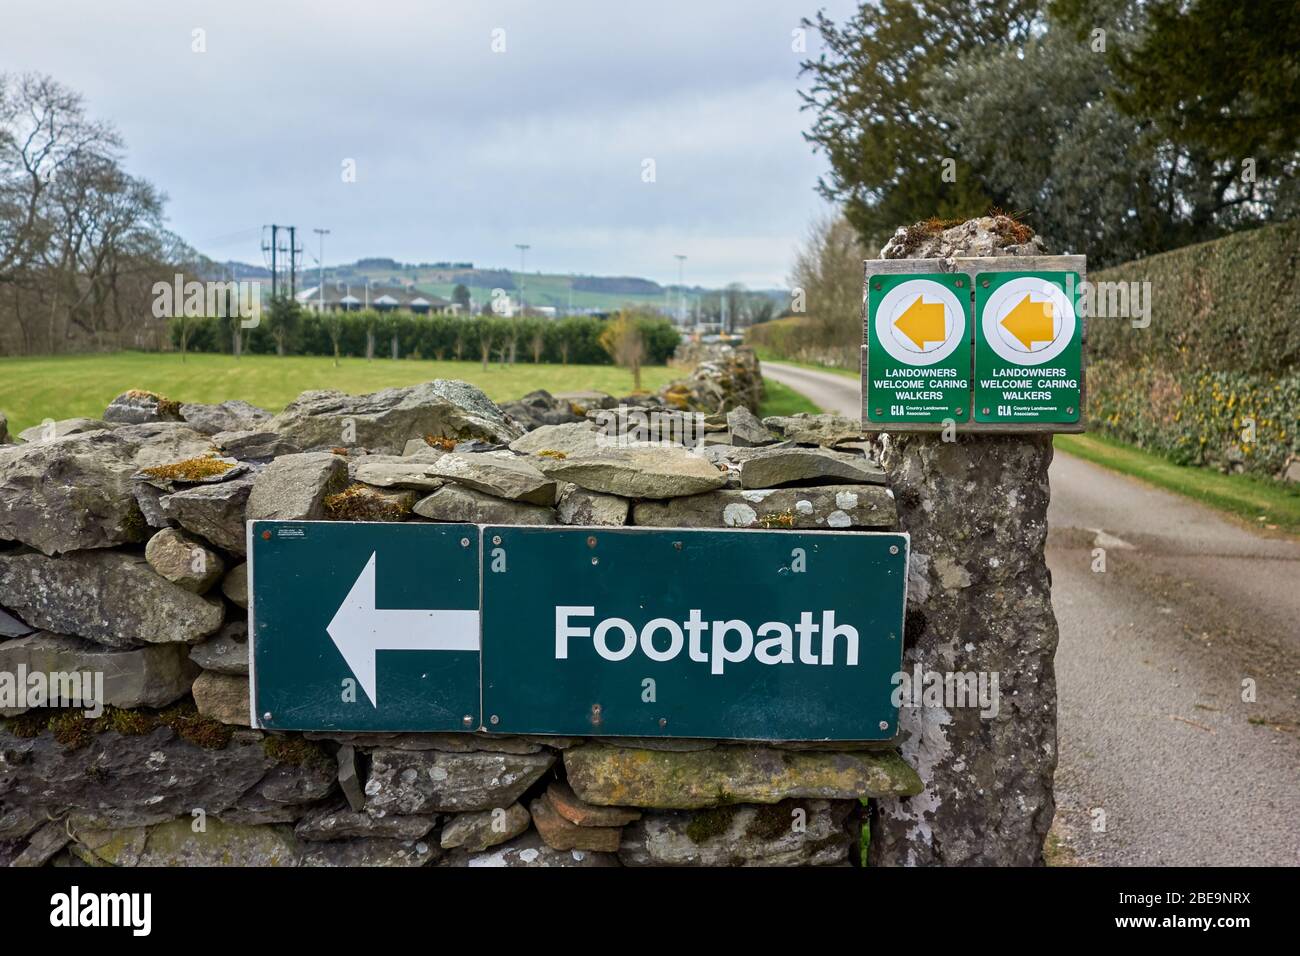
point(1215, 378)
point(427, 337)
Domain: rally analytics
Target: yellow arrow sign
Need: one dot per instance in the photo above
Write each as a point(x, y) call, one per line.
point(922, 322)
point(1030, 322)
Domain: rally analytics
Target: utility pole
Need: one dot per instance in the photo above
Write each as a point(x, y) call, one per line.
point(320, 293)
point(681, 291)
point(271, 248)
point(523, 248)
point(293, 262)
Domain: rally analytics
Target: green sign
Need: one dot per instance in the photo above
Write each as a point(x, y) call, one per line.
point(1028, 352)
point(773, 635)
point(918, 348)
point(364, 626)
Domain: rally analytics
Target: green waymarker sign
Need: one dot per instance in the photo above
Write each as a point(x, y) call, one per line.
point(680, 633)
point(584, 631)
point(1028, 351)
point(364, 626)
point(918, 342)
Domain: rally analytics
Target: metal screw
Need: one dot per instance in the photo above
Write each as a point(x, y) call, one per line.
point(494, 719)
point(893, 549)
point(266, 536)
point(1069, 411)
point(960, 283)
point(984, 411)
point(496, 539)
point(595, 714)
point(266, 717)
point(464, 542)
point(677, 545)
point(985, 283)
point(878, 411)
point(663, 721)
point(595, 560)
point(591, 541)
point(884, 724)
point(467, 720)
point(876, 287)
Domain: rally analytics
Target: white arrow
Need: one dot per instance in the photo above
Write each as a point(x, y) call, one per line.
point(359, 630)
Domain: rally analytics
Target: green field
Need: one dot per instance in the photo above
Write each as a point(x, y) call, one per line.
point(781, 399)
point(73, 386)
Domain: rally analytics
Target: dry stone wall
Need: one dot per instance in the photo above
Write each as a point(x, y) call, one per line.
point(122, 559)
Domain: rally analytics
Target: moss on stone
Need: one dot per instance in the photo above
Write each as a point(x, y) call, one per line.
point(553, 453)
point(777, 519)
point(295, 750)
point(165, 405)
point(707, 824)
point(72, 729)
point(188, 724)
point(359, 502)
point(772, 820)
point(191, 469)
point(30, 724)
point(437, 441)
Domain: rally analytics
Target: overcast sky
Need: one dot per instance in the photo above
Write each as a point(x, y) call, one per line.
point(460, 152)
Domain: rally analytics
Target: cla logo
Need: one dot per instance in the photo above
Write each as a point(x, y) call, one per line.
point(73, 909)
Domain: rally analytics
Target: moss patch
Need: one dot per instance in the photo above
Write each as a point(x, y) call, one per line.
point(710, 823)
point(772, 820)
point(191, 469)
point(552, 453)
point(165, 405)
point(359, 502)
point(293, 749)
point(437, 441)
point(74, 730)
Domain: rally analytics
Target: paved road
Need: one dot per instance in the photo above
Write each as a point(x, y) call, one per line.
point(1153, 731)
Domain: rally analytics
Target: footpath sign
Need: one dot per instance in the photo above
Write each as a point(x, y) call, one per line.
point(917, 326)
point(1028, 356)
point(992, 344)
point(763, 635)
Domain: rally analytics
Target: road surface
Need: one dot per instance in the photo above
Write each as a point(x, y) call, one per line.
point(1156, 744)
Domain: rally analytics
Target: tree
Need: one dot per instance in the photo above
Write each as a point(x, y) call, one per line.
point(460, 296)
point(623, 340)
point(282, 320)
point(827, 286)
point(886, 149)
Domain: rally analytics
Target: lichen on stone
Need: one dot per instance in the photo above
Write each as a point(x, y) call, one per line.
point(553, 453)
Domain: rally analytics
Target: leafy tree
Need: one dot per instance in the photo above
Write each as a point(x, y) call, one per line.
point(623, 339)
point(460, 296)
point(283, 319)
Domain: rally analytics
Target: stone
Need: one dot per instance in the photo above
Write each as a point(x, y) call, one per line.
point(176, 843)
point(110, 597)
point(528, 850)
point(478, 831)
point(349, 779)
point(574, 440)
point(561, 834)
point(50, 429)
point(586, 400)
point(420, 448)
point(222, 697)
point(294, 487)
point(215, 513)
point(136, 407)
point(254, 444)
point(226, 652)
point(639, 472)
point(500, 474)
point(4, 430)
point(808, 429)
point(360, 502)
point(803, 466)
point(985, 236)
point(43, 845)
point(11, 626)
point(184, 561)
point(151, 676)
point(743, 836)
point(235, 585)
point(404, 781)
point(301, 778)
point(339, 822)
point(352, 853)
point(741, 774)
point(454, 503)
point(229, 416)
point(582, 507)
point(117, 780)
point(74, 493)
point(834, 507)
point(583, 814)
point(540, 408)
point(746, 430)
point(391, 471)
point(384, 421)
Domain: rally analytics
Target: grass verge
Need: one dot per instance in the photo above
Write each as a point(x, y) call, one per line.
point(1270, 504)
point(781, 399)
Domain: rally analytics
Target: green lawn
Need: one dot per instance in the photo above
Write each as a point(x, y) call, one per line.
point(765, 355)
point(72, 386)
point(1258, 500)
point(781, 399)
